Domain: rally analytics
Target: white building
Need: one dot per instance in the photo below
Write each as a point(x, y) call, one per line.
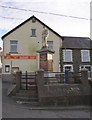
point(21, 44)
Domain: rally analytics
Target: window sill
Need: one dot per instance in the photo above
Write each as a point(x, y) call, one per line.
point(33, 36)
point(85, 61)
point(13, 52)
point(67, 61)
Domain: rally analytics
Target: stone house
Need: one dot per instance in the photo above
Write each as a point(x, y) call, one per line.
point(76, 54)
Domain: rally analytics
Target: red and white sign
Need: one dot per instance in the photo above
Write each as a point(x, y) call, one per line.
point(19, 57)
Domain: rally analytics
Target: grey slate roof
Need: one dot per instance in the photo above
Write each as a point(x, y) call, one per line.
point(77, 42)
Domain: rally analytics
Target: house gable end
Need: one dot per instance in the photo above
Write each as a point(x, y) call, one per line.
point(26, 22)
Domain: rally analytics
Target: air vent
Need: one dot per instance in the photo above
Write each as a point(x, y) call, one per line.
point(33, 20)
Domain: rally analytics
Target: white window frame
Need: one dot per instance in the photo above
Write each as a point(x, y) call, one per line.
point(64, 52)
point(32, 33)
point(88, 56)
point(50, 45)
point(89, 72)
point(7, 68)
point(13, 45)
point(68, 65)
point(15, 69)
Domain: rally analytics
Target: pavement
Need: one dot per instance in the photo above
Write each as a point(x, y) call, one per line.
point(87, 108)
point(17, 109)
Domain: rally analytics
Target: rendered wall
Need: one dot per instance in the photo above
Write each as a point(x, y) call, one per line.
point(28, 45)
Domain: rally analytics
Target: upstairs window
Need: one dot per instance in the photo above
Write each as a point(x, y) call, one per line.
point(13, 46)
point(33, 32)
point(50, 44)
point(85, 55)
point(67, 56)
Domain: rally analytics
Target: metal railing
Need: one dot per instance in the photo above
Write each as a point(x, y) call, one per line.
point(58, 77)
point(28, 79)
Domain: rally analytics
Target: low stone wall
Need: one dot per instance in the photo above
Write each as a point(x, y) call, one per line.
point(7, 78)
point(62, 94)
point(65, 101)
point(14, 81)
point(59, 93)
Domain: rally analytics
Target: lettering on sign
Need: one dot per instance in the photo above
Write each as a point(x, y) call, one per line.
point(19, 57)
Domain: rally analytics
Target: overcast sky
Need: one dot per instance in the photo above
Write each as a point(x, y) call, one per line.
point(64, 25)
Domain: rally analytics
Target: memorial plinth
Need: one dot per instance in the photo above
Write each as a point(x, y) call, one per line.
point(45, 58)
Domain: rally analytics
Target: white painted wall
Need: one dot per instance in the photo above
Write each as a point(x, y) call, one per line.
point(28, 45)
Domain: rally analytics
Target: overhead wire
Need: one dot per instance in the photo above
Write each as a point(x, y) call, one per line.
point(5, 17)
point(22, 9)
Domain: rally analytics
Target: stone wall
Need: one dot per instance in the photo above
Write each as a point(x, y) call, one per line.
point(7, 77)
point(59, 93)
point(62, 94)
point(76, 55)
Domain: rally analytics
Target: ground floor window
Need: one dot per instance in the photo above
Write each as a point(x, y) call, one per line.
point(7, 68)
point(68, 67)
point(15, 69)
point(89, 68)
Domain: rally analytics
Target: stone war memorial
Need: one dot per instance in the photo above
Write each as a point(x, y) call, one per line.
point(51, 88)
point(46, 61)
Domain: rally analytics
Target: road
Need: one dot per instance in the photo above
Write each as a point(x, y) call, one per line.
point(11, 109)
